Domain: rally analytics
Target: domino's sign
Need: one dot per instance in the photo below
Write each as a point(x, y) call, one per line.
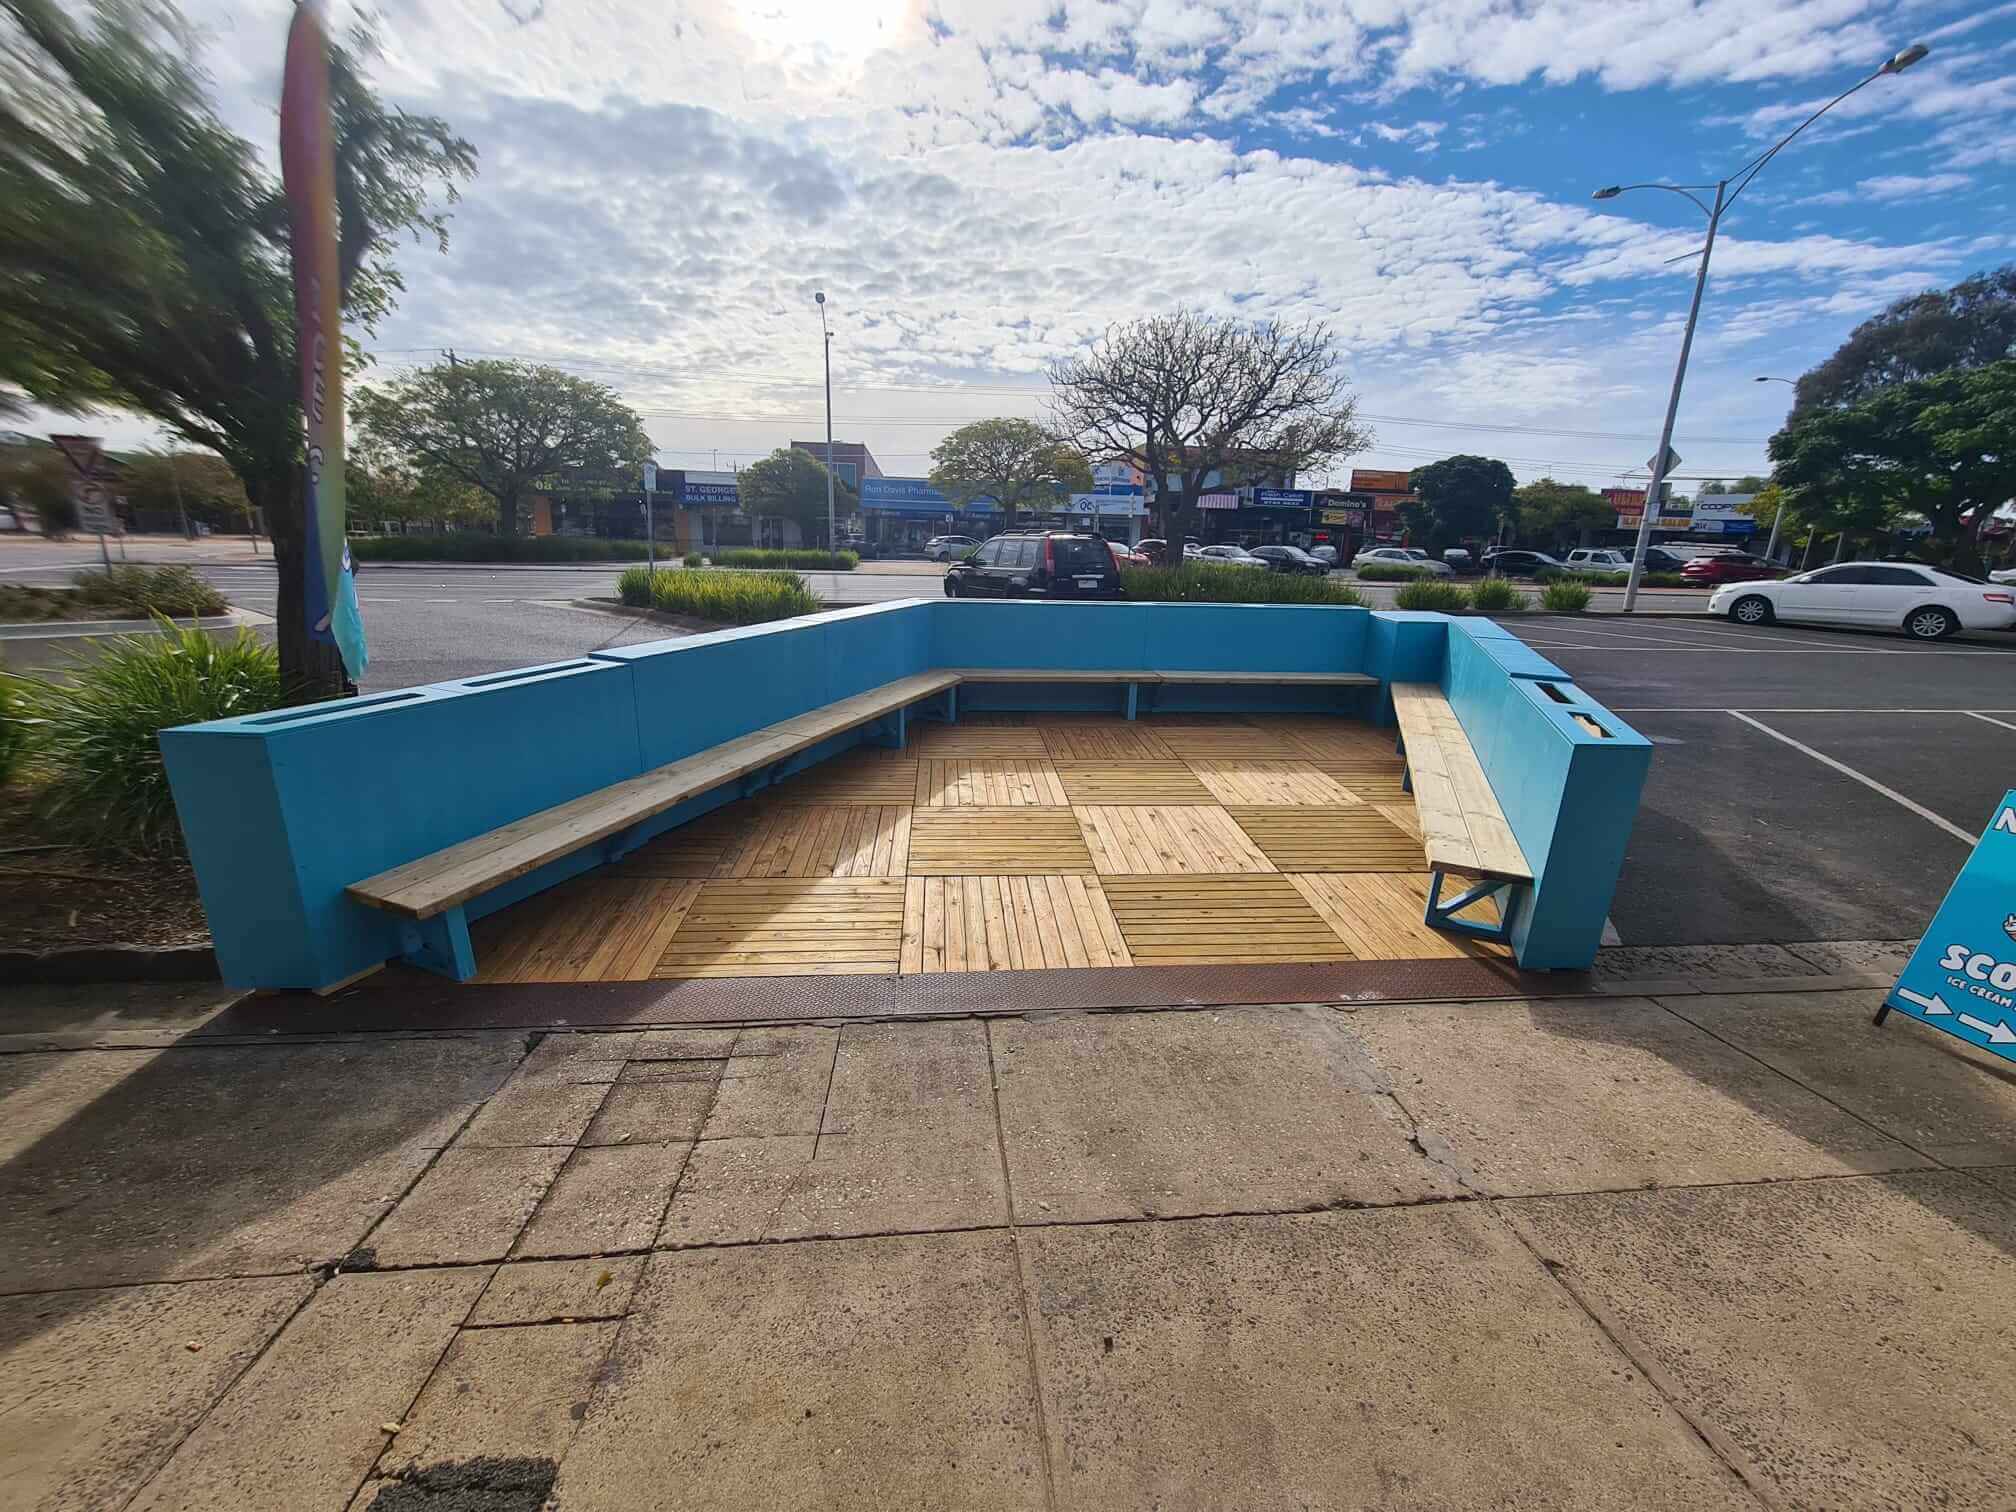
point(1962, 977)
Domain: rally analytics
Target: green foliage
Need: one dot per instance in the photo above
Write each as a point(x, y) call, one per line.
point(1496, 596)
point(1460, 498)
point(1192, 584)
point(1434, 594)
point(13, 732)
point(92, 733)
point(1017, 463)
point(459, 546)
point(1614, 579)
point(801, 561)
point(1969, 325)
point(37, 479)
point(727, 598)
point(161, 487)
point(128, 592)
point(1566, 598)
point(506, 428)
point(1389, 572)
point(1551, 512)
point(791, 485)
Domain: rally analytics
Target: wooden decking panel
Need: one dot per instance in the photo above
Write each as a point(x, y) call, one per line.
point(996, 842)
point(1368, 780)
point(1261, 779)
point(1009, 923)
point(1187, 920)
point(1149, 840)
point(1217, 740)
point(880, 776)
point(935, 742)
point(1112, 741)
point(1357, 839)
point(592, 929)
point(789, 927)
point(704, 847)
point(1379, 915)
point(988, 782)
point(1335, 740)
point(826, 840)
point(1131, 782)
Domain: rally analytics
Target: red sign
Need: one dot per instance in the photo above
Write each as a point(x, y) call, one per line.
point(1372, 480)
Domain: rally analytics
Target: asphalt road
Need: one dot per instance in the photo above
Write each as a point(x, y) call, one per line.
point(1808, 784)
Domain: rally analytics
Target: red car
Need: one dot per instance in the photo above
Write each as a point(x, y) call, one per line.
point(1728, 567)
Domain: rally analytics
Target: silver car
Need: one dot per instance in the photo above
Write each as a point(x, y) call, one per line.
point(1404, 557)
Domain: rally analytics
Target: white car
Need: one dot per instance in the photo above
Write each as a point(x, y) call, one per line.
point(1603, 557)
point(1927, 603)
point(1402, 556)
point(1227, 556)
point(2005, 575)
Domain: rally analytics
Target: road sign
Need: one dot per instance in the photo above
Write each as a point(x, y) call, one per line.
point(1672, 461)
point(1962, 977)
point(81, 450)
point(94, 510)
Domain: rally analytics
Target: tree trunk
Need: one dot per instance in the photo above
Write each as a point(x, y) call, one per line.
point(310, 669)
point(507, 514)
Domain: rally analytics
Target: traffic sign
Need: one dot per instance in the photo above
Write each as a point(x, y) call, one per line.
point(81, 450)
point(1672, 461)
point(94, 510)
point(1962, 977)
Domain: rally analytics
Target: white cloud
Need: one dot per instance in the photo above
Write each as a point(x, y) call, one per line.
point(1891, 187)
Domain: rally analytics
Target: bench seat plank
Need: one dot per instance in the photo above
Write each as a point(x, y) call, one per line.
point(1052, 675)
point(451, 876)
point(1275, 679)
point(1463, 826)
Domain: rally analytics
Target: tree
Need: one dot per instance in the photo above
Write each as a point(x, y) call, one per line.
point(144, 252)
point(37, 478)
point(382, 491)
point(507, 428)
point(1713, 488)
point(197, 486)
point(1558, 514)
point(1189, 396)
point(1461, 498)
point(1015, 462)
point(1938, 447)
point(791, 485)
point(1967, 326)
point(1750, 483)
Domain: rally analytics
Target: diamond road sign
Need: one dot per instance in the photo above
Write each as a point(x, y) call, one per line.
point(1962, 977)
point(1672, 461)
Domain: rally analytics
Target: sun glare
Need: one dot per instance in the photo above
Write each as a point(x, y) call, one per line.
point(845, 31)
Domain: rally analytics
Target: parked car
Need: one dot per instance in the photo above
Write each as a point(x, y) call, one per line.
point(1402, 556)
point(1154, 548)
point(948, 548)
point(1037, 564)
point(1509, 561)
point(1228, 556)
point(1291, 559)
point(2003, 575)
point(1729, 567)
point(1460, 561)
point(1600, 559)
point(1324, 554)
point(1927, 603)
point(1125, 555)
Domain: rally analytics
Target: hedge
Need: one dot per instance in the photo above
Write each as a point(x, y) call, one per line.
point(726, 598)
point(1382, 572)
point(1194, 584)
point(794, 561)
point(462, 546)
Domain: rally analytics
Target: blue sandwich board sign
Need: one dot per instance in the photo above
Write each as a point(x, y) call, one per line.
point(1962, 977)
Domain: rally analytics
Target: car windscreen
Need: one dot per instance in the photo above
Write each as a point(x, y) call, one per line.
point(1080, 554)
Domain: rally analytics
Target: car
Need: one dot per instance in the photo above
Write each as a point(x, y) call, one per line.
point(948, 548)
point(1290, 559)
point(1037, 564)
point(1511, 562)
point(1729, 567)
point(1405, 557)
point(1125, 556)
point(1154, 548)
point(2003, 575)
point(1601, 559)
point(1926, 603)
point(1227, 556)
point(1325, 554)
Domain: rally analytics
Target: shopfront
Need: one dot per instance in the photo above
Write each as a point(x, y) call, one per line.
point(898, 515)
point(1256, 516)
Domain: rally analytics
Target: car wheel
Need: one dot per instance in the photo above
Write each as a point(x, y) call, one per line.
point(1752, 609)
point(1931, 623)
point(951, 586)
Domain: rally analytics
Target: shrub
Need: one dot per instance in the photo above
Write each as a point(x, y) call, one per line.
point(13, 733)
point(1432, 594)
point(1566, 598)
point(1194, 584)
point(1386, 572)
point(1613, 579)
point(93, 732)
point(143, 592)
point(463, 546)
point(727, 598)
point(796, 561)
point(1495, 596)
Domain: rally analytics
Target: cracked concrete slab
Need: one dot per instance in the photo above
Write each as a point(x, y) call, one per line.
point(1838, 957)
point(578, 1057)
point(126, 1166)
point(857, 1374)
point(652, 1112)
point(732, 1186)
point(1128, 1115)
point(98, 1387)
point(1580, 1095)
point(1932, 1091)
point(1844, 1338)
point(774, 1083)
point(1685, 964)
point(1393, 1359)
point(684, 1044)
point(470, 1206)
point(304, 1425)
point(547, 1291)
point(534, 1113)
point(605, 1199)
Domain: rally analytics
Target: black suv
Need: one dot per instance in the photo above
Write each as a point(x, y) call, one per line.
point(1037, 564)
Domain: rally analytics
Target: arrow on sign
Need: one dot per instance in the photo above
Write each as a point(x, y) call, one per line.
point(1934, 1005)
point(1998, 1032)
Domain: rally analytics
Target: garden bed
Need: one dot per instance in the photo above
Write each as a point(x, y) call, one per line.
point(124, 593)
point(61, 896)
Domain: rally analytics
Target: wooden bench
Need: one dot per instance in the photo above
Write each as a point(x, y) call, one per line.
point(1134, 679)
point(427, 895)
point(1463, 827)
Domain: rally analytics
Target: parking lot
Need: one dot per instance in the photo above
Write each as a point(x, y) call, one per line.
point(1808, 783)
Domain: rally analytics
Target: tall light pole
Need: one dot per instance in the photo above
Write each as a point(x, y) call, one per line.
point(1778, 514)
point(827, 346)
point(1726, 191)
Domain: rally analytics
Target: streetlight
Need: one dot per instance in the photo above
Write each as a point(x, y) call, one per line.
point(1778, 514)
point(819, 298)
point(1725, 196)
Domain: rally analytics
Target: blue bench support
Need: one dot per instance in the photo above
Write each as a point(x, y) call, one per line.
point(1440, 915)
point(440, 944)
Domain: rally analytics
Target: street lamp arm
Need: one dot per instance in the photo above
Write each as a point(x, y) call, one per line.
point(1684, 190)
point(1755, 166)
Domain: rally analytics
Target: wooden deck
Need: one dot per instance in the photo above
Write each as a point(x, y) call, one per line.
point(1015, 843)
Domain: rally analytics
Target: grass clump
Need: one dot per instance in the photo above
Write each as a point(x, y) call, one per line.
point(726, 598)
point(794, 561)
point(467, 546)
point(1434, 596)
point(1194, 584)
point(126, 592)
point(1496, 596)
point(1566, 598)
point(92, 733)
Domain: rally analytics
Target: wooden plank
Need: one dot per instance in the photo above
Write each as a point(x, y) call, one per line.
point(1147, 839)
point(853, 777)
point(1220, 919)
point(1130, 782)
point(789, 926)
point(1108, 741)
point(1053, 675)
point(1215, 740)
point(456, 873)
point(1379, 915)
point(988, 782)
point(941, 742)
point(1358, 838)
point(1342, 740)
point(1464, 825)
point(1258, 780)
point(1275, 679)
point(996, 841)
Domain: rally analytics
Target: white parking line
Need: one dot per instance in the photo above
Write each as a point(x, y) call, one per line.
point(1976, 714)
point(1718, 709)
point(1765, 650)
point(1847, 771)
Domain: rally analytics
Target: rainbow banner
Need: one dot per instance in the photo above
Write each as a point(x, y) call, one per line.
point(308, 169)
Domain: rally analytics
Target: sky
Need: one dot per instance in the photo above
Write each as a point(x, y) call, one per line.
point(982, 186)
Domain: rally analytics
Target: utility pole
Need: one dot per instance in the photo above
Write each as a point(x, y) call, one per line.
point(827, 346)
point(175, 477)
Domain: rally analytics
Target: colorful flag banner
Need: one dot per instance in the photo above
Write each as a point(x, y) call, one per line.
point(308, 170)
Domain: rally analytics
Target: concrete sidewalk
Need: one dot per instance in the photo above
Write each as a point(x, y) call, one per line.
point(1689, 1251)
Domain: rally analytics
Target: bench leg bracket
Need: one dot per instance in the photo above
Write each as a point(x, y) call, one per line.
point(1441, 915)
point(440, 944)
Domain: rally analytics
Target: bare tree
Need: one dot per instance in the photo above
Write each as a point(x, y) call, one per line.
point(1187, 395)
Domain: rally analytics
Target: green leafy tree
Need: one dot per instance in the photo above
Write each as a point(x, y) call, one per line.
point(791, 485)
point(37, 479)
point(1969, 325)
point(177, 484)
point(1460, 498)
point(1561, 514)
point(508, 428)
point(1015, 462)
point(1750, 483)
point(382, 492)
point(144, 251)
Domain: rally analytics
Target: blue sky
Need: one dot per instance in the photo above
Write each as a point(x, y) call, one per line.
point(983, 185)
